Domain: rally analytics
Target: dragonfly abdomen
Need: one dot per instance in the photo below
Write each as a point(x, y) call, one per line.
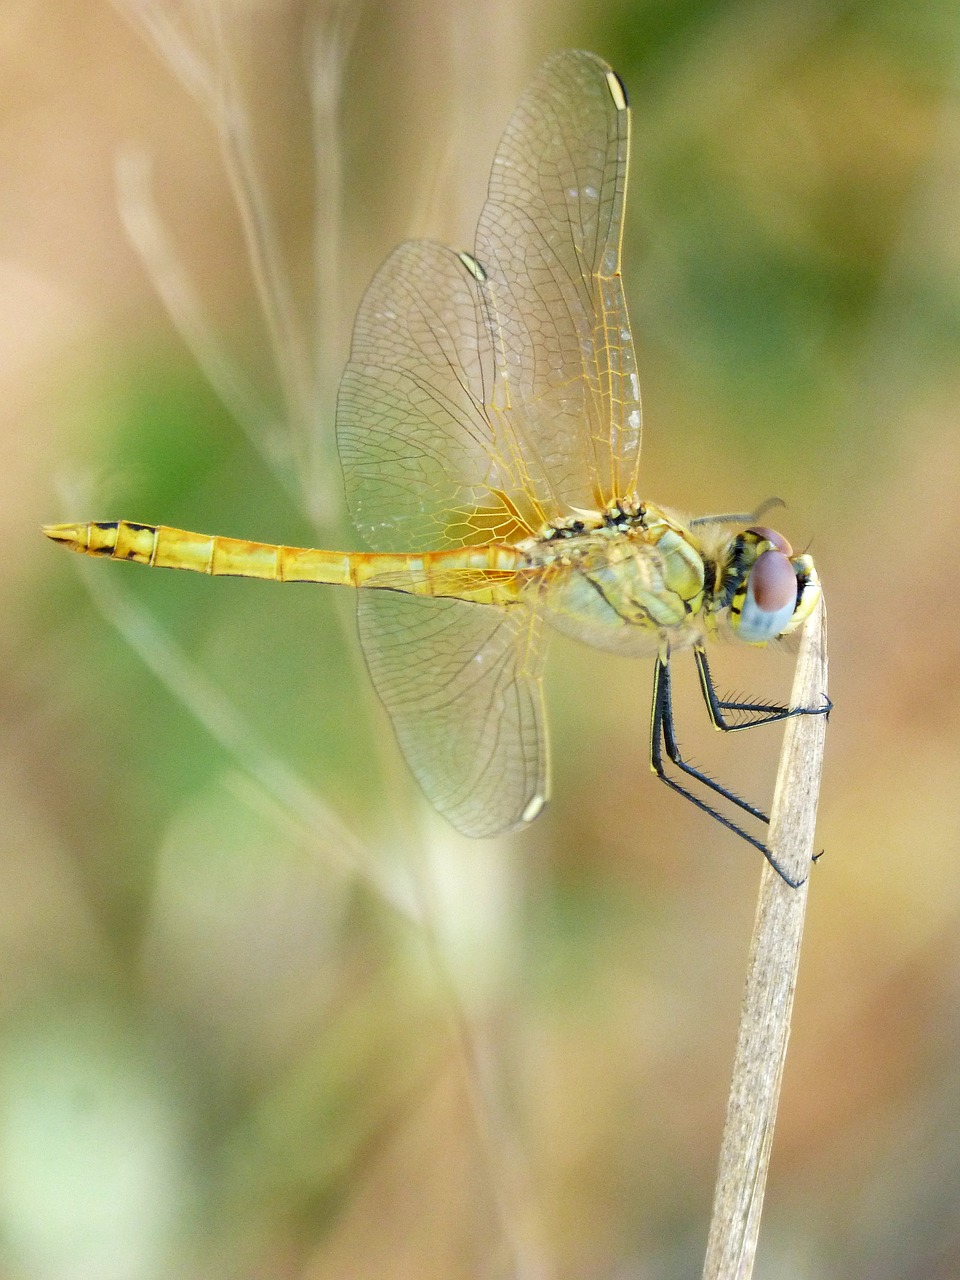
point(166, 548)
point(486, 574)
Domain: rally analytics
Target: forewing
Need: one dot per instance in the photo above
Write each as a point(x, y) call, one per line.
point(423, 465)
point(488, 393)
point(461, 682)
point(548, 242)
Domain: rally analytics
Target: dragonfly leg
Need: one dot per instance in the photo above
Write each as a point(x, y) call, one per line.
point(755, 713)
point(664, 694)
point(663, 738)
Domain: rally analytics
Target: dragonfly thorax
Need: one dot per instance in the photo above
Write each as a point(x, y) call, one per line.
point(622, 579)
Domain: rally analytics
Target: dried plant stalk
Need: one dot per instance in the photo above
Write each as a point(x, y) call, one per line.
point(771, 978)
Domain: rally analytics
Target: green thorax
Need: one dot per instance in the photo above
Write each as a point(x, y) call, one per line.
point(627, 579)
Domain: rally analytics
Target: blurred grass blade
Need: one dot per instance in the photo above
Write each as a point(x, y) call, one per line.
point(328, 47)
point(223, 722)
point(212, 82)
point(150, 238)
point(191, 68)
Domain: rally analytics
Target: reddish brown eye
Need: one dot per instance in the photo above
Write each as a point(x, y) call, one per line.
point(771, 535)
point(774, 582)
point(771, 599)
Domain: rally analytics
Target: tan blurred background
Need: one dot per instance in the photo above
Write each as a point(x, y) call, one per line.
point(262, 1015)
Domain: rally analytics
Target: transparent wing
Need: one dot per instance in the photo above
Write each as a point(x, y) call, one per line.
point(549, 242)
point(488, 393)
point(425, 465)
point(462, 684)
point(485, 394)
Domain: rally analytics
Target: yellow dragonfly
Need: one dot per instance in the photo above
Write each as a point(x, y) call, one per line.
point(489, 425)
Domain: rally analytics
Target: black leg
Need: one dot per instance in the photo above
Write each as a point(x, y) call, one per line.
point(673, 749)
point(663, 736)
point(664, 731)
point(757, 712)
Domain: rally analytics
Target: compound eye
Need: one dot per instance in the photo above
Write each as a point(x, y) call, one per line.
point(771, 535)
point(770, 600)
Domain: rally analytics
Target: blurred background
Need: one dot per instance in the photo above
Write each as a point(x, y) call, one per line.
point(261, 1013)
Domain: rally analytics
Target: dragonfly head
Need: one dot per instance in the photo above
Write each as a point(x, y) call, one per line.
point(773, 591)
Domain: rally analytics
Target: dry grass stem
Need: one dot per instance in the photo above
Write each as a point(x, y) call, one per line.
point(771, 978)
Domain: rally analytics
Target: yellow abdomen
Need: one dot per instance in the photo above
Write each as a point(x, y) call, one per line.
point(488, 574)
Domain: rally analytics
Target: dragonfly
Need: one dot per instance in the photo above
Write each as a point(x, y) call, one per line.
point(489, 427)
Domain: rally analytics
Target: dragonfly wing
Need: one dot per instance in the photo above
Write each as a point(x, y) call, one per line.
point(422, 464)
point(461, 682)
point(489, 393)
point(548, 242)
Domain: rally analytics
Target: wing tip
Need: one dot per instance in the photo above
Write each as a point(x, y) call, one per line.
point(533, 808)
point(617, 90)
